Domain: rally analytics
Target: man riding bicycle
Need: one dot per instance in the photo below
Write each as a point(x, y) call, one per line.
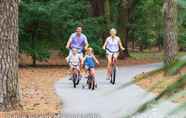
point(112, 46)
point(77, 41)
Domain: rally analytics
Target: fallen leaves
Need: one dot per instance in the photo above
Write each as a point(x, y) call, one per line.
point(37, 88)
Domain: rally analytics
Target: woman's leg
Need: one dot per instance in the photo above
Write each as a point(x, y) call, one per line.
point(109, 67)
point(116, 56)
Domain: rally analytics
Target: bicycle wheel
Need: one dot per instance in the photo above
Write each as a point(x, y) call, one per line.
point(89, 83)
point(77, 79)
point(113, 78)
point(93, 83)
point(74, 80)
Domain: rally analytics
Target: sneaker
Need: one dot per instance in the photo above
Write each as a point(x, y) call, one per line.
point(96, 86)
point(108, 77)
point(70, 78)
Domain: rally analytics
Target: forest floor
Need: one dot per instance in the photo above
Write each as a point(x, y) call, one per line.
point(37, 84)
point(157, 83)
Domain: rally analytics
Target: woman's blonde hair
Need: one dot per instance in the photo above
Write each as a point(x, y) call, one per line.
point(113, 30)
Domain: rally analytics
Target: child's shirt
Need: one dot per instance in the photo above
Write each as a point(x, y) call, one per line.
point(74, 59)
point(89, 61)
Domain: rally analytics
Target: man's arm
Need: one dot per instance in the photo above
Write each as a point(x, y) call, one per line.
point(86, 43)
point(69, 42)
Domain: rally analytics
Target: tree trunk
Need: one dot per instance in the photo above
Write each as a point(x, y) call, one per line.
point(107, 12)
point(97, 7)
point(170, 42)
point(126, 52)
point(123, 21)
point(133, 44)
point(9, 86)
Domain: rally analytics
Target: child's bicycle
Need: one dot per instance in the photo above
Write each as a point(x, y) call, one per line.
point(91, 82)
point(75, 76)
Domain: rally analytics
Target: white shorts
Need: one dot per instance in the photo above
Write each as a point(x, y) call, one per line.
point(79, 54)
point(74, 66)
point(109, 54)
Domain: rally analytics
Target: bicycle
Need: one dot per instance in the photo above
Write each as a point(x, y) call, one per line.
point(91, 80)
point(113, 66)
point(75, 76)
point(113, 72)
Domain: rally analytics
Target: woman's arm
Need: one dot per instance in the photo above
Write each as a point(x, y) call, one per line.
point(120, 45)
point(104, 46)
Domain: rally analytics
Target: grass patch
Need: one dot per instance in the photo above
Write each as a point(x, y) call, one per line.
point(175, 68)
point(151, 55)
point(165, 86)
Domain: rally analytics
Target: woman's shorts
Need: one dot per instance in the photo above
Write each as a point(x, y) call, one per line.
point(109, 54)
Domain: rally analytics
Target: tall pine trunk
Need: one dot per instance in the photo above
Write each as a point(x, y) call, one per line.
point(170, 42)
point(107, 9)
point(9, 87)
point(123, 21)
point(97, 7)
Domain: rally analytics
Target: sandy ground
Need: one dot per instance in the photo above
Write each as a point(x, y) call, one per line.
point(37, 88)
point(158, 82)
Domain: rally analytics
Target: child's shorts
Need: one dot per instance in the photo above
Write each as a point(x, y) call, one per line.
point(88, 67)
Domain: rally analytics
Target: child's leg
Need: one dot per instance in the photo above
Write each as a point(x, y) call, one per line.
point(93, 72)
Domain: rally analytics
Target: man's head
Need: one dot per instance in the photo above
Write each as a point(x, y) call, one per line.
point(79, 30)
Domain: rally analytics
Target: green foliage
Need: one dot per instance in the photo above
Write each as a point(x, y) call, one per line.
point(47, 24)
point(147, 23)
point(34, 25)
point(174, 68)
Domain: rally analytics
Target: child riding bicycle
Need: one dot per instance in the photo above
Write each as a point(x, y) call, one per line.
point(75, 61)
point(90, 62)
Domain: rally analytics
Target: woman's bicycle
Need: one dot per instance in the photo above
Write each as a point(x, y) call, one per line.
point(113, 71)
point(113, 67)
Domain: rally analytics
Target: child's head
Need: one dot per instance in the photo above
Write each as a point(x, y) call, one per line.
point(89, 51)
point(74, 51)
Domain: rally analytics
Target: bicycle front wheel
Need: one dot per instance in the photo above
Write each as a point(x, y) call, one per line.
point(113, 76)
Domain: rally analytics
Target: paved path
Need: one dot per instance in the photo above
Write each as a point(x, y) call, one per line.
point(109, 101)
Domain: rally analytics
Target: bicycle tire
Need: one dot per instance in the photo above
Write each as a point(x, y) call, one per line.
point(113, 76)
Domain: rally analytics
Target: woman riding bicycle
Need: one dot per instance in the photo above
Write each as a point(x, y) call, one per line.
point(112, 46)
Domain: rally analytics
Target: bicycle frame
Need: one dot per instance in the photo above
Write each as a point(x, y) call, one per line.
point(75, 76)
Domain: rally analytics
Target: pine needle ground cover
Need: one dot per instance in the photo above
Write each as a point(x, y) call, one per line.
point(169, 86)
